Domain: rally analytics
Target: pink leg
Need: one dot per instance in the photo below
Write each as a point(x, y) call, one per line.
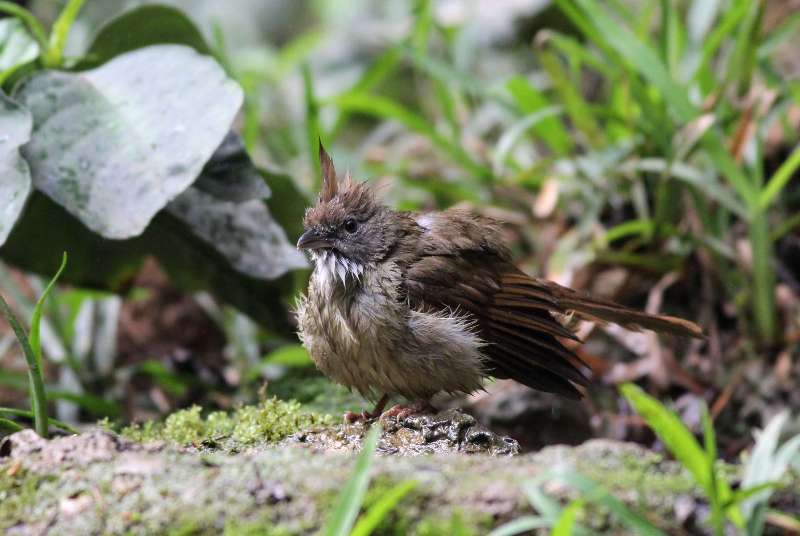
point(366, 416)
point(403, 411)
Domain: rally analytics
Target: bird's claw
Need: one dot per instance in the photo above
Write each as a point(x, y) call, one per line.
point(401, 412)
point(352, 417)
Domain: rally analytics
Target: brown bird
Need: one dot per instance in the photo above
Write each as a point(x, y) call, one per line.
point(413, 304)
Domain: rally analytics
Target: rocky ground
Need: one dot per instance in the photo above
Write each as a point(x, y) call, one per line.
point(190, 476)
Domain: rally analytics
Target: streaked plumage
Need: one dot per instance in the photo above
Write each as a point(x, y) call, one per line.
point(415, 304)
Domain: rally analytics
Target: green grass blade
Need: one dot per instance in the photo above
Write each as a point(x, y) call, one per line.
point(36, 318)
point(9, 426)
point(672, 432)
point(593, 492)
point(788, 28)
point(376, 74)
point(36, 382)
point(682, 444)
point(386, 108)
point(567, 524)
point(779, 179)
point(54, 55)
point(351, 497)
point(378, 512)
point(29, 414)
point(763, 277)
point(642, 57)
point(521, 525)
point(549, 129)
point(544, 504)
point(313, 132)
point(579, 111)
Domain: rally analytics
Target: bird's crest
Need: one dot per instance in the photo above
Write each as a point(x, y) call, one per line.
point(330, 184)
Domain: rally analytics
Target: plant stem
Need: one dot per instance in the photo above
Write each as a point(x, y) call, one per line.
point(38, 394)
point(763, 276)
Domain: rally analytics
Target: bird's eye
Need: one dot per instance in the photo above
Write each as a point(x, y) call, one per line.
point(350, 225)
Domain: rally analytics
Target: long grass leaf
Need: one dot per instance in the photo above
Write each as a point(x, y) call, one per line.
point(313, 132)
point(567, 524)
point(682, 444)
point(591, 491)
point(9, 426)
point(523, 524)
point(378, 511)
point(779, 179)
point(642, 57)
point(345, 512)
point(550, 130)
point(386, 108)
point(37, 391)
point(29, 414)
point(36, 318)
point(672, 432)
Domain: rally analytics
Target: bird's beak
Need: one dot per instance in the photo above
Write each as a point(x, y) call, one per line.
point(312, 239)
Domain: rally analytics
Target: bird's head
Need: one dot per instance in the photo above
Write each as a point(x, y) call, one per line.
point(347, 229)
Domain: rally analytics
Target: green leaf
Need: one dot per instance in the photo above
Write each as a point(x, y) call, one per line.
point(591, 491)
point(550, 130)
point(681, 443)
point(520, 525)
point(567, 524)
point(137, 129)
point(291, 355)
point(386, 108)
point(779, 179)
point(146, 25)
point(230, 174)
point(58, 35)
point(9, 426)
point(672, 432)
point(244, 233)
point(29, 414)
point(37, 392)
point(378, 511)
point(345, 512)
point(15, 186)
point(97, 263)
point(36, 319)
point(766, 464)
point(641, 56)
point(17, 47)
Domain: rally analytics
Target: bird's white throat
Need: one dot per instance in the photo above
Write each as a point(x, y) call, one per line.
point(333, 267)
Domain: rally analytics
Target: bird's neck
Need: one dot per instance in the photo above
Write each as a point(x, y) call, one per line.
point(333, 270)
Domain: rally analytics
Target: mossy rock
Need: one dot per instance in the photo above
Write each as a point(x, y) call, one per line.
point(101, 483)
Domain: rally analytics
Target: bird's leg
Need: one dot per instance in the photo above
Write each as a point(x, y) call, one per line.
point(366, 416)
point(403, 411)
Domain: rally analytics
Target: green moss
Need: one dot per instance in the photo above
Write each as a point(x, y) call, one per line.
point(269, 421)
point(17, 495)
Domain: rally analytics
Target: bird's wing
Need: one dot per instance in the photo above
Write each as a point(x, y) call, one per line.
point(462, 265)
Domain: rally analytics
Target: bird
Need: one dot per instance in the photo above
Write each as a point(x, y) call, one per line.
point(405, 304)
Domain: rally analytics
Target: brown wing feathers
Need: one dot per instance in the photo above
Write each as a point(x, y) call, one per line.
point(514, 311)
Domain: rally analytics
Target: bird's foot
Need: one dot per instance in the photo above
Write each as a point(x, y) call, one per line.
point(352, 417)
point(403, 411)
point(366, 416)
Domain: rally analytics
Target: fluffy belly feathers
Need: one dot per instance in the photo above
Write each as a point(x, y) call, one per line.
point(354, 337)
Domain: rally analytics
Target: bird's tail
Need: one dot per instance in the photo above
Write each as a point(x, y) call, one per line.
point(590, 308)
